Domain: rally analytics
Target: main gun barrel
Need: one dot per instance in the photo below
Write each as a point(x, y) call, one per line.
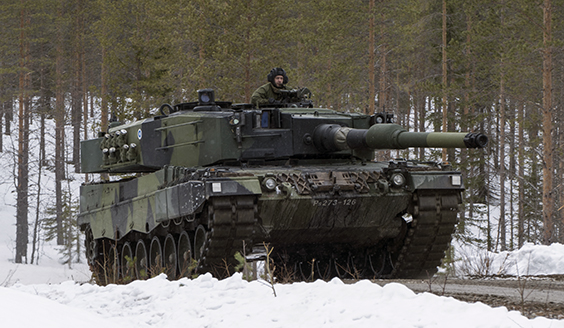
point(333, 137)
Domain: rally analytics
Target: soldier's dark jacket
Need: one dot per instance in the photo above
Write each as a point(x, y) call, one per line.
point(264, 93)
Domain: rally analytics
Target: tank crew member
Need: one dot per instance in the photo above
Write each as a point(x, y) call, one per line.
point(270, 92)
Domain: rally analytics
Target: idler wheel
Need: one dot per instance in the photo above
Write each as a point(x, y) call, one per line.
point(170, 256)
point(184, 254)
point(126, 258)
point(141, 265)
point(155, 256)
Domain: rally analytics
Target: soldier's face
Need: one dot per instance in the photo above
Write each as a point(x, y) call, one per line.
point(278, 80)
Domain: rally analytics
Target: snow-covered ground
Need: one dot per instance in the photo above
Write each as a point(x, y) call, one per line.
point(233, 302)
point(52, 295)
point(49, 270)
point(529, 260)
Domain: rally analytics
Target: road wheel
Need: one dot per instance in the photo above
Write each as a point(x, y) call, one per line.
point(141, 265)
point(155, 257)
point(185, 254)
point(127, 265)
point(169, 256)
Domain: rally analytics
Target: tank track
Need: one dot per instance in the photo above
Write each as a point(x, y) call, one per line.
point(434, 220)
point(232, 226)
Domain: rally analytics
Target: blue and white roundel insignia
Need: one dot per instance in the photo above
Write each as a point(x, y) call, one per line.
point(139, 134)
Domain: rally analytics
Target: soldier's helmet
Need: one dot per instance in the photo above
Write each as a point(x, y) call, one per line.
point(275, 72)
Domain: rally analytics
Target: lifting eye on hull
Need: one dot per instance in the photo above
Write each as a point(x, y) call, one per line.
point(166, 109)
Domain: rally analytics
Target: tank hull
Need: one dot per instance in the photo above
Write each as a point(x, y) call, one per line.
point(350, 219)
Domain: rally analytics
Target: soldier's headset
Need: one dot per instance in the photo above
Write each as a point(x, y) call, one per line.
point(275, 72)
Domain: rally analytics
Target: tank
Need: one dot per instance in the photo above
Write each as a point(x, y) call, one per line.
point(187, 189)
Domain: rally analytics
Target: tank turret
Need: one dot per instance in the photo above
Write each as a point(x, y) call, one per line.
point(196, 137)
point(206, 179)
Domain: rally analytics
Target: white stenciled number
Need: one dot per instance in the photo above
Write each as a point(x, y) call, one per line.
point(349, 202)
point(334, 202)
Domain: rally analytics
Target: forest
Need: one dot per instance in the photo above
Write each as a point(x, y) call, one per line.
point(68, 66)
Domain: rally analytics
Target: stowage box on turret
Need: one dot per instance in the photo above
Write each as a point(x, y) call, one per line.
point(207, 179)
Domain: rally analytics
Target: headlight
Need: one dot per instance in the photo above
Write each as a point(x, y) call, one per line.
point(398, 179)
point(206, 97)
point(269, 183)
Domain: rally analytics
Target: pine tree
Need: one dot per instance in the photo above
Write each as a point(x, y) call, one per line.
point(70, 250)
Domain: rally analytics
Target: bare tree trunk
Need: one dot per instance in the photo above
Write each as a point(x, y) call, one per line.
point(104, 78)
point(59, 134)
point(8, 115)
point(247, 69)
point(1, 117)
point(548, 149)
point(382, 92)
point(77, 89)
point(23, 127)
point(559, 218)
point(521, 210)
point(38, 203)
point(371, 60)
point(444, 65)
point(84, 95)
point(502, 175)
point(422, 111)
point(511, 174)
point(43, 107)
point(383, 99)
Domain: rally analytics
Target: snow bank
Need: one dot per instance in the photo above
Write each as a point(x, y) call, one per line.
point(532, 259)
point(529, 260)
point(234, 302)
point(20, 309)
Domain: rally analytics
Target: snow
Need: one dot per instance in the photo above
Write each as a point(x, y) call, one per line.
point(52, 295)
point(49, 270)
point(529, 260)
point(20, 309)
point(234, 302)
